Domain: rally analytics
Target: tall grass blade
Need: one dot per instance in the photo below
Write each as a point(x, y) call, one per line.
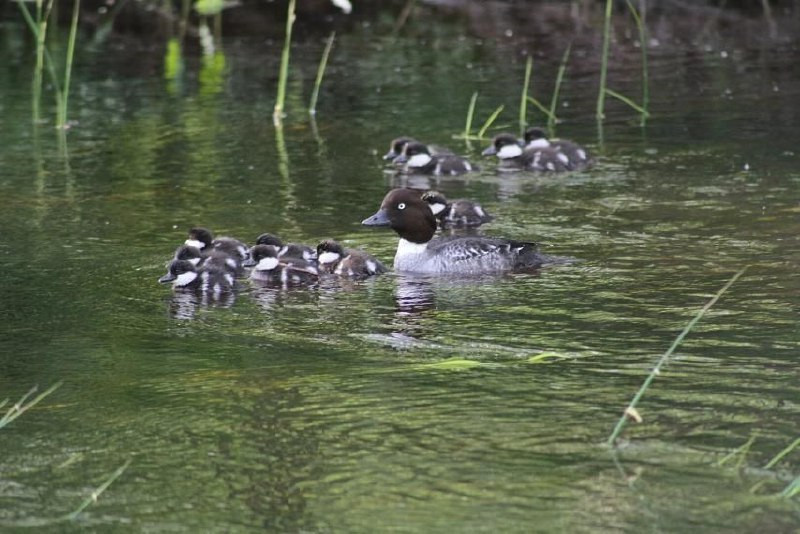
point(20, 407)
point(783, 453)
point(283, 76)
point(523, 101)
point(665, 357)
point(628, 101)
point(73, 31)
point(100, 489)
point(489, 121)
point(551, 117)
point(470, 114)
point(743, 450)
point(601, 94)
point(643, 40)
point(312, 106)
point(792, 489)
point(541, 108)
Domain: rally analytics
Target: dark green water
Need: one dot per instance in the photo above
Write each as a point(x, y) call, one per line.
point(320, 410)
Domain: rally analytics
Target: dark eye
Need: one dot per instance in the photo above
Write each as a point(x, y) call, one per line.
point(401, 206)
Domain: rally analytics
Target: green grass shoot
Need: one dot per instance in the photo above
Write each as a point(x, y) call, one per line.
point(470, 115)
point(97, 492)
point(777, 458)
point(312, 106)
point(551, 117)
point(739, 451)
point(601, 94)
point(489, 122)
point(20, 407)
point(277, 114)
point(645, 80)
point(541, 107)
point(792, 489)
point(631, 408)
point(73, 32)
point(523, 100)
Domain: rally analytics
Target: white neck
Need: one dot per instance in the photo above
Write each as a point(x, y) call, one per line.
point(538, 143)
point(437, 208)
point(419, 160)
point(185, 279)
point(509, 151)
point(266, 264)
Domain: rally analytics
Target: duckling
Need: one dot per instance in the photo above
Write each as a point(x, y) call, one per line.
point(184, 276)
point(417, 159)
point(335, 259)
point(269, 268)
point(536, 137)
point(513, 156)
point(292, 250)
point(455, 212)
point(213, 258)
point(204, 240)
point(398, 144)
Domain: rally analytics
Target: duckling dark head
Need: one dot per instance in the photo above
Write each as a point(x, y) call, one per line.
point(396, 147)
point(504, 146)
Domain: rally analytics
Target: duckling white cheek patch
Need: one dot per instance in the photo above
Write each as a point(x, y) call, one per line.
point(195, 243)
point(194, 261)
point(538, 143)
point(419, 160)
point(185, 279)
point(509, 151)
point(328, 257)
point(267, 264)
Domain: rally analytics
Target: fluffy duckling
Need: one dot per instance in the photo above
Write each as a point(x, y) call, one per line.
point(335, 259)
point(459, 212)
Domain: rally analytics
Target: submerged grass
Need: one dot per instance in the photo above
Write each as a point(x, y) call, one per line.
point(20, 407)
point(283, 76)
point(630, 410)
point(92, 498)
point(312, 106)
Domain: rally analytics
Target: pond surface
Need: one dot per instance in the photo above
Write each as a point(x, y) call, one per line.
point(340, 408)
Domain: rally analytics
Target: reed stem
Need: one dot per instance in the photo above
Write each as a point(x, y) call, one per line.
point(777, 458)
point(489, 121)
point(97, 492)
point(312, 106)
point(551, 117)
point(20, 407)
point(665, 357)
point(470, 114)
point(277, 114)
point(523, 100)
point(601, 94)
point(643, 42)
point(73, 31)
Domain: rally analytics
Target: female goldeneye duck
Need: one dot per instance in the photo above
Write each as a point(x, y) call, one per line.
point(456, 212)
point(291, 250)
point(535, 137)
point(417, 159)
point(335, 259)
point(269, 268)
point(514, 156)
point(184, 275)
point(411, 217)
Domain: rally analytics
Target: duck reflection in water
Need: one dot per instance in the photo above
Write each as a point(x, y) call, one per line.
point(184, 304)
